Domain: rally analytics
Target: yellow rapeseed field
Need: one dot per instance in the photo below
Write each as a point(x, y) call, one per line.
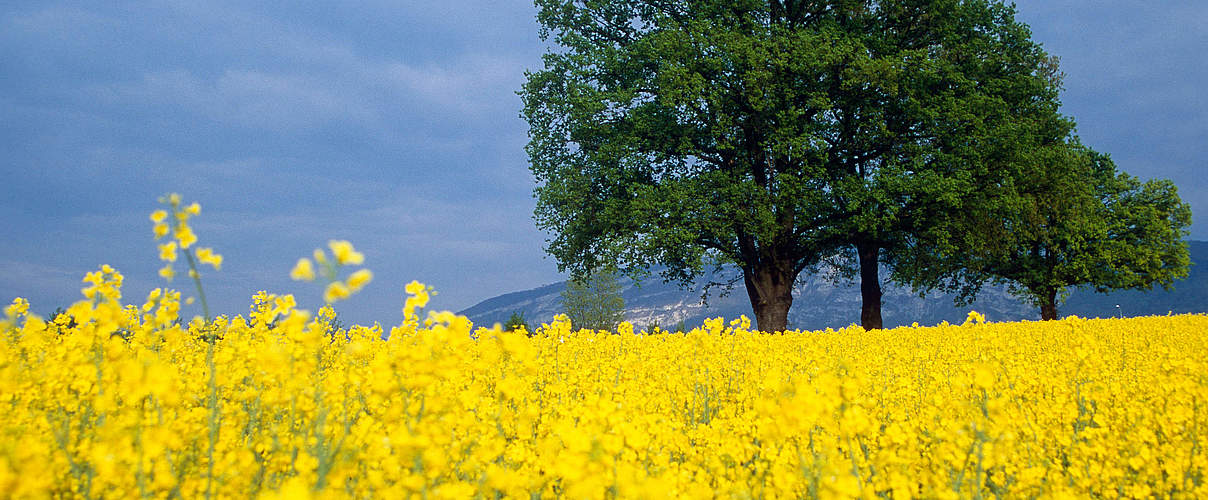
point(113, 401)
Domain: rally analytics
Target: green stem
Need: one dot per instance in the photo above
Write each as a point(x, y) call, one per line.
point(212, 402)
point(205, 307)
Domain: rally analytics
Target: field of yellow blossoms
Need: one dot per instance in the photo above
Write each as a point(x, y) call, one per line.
point(113, 400)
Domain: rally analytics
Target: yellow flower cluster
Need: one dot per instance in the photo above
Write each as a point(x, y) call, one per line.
point(122, 400)
point(343, 254)
point(419, 297)
point(176, 221)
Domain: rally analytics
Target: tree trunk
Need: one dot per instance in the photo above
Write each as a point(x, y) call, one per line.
point(870, 286)
point(771, 293)
point(1048, 305)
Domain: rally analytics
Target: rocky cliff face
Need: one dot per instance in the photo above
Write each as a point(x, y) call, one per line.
point(819, 304)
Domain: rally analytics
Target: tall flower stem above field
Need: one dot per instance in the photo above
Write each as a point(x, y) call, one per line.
point(175, 220)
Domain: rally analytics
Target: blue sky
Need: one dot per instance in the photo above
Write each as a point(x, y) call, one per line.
point(395, 125)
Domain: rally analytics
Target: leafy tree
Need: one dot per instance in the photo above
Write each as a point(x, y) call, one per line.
point(1081, 223)
point(771, 134)
point(516, 321)
point(594, 302)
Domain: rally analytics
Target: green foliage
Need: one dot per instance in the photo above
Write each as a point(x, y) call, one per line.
point(68, 323)
point(1071, 219)
point(595, 302)
point(1084, 224)
point(679, 327)
point(516, 322)
point(771, 134)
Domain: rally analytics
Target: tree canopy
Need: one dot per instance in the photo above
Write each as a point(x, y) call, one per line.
point(773, 134)
point(1078, 222)
point(594, 301)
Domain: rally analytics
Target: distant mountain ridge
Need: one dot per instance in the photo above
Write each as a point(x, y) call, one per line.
point(819, 304)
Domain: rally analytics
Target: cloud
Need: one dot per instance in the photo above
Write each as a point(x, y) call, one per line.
point(304, 87)
point(469, 84)
point(390, 101)
point(54, 21)
point(246, 98)
point(16, 277)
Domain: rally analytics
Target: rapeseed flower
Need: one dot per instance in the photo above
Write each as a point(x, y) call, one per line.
point(576, 413)
point(207, 256)
point(167, 251)
point(344, 253)
point(303, 271)
point(184, 234)
point(359, 279)
point(336, 291)
point(419, 296)
point(19, 307)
